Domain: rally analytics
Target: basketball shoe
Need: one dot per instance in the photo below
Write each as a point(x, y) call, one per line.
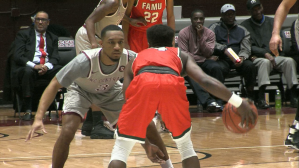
point(99, 131)
point(289, 140)
point(86, 128)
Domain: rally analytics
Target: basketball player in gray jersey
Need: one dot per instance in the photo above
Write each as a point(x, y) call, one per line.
point(92, 78)
point(88, 36)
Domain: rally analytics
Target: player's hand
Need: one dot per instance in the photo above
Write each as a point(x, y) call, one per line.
point(271, 59)
point(37, 124)
point(138, 22)
point(246, 112)
point(94, 45)
point(153, 152)
point(274, 43)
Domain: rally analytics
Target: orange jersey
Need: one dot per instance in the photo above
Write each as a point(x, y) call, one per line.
point(149, 92)
point(161, 57)
point(151, 10)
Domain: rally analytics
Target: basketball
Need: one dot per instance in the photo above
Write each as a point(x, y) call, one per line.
point(232, 119)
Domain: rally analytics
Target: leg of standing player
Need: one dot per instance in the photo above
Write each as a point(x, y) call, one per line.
point(70, 124)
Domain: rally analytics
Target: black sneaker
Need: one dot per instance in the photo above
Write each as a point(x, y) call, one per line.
point(86, 128)
point(99, 131)
point(213, 107)
point(288, 142)
point(28, 115)
point(296, 140)
point(261, 104)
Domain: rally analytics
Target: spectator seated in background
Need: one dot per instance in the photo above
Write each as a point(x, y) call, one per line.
point(231, 35)
point(260, 28)
point(199, 42)
point(35, 57)
point(56, 29)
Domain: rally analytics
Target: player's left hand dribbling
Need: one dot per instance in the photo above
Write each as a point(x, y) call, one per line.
point(246, 112)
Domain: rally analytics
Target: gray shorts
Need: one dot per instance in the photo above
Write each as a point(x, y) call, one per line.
point(79, 101)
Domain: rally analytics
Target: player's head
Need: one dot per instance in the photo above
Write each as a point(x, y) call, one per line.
point(41, 21)
point(160, 36)
point(255, 9)
point(197, 18)
point(228, 14)
point(112, 42)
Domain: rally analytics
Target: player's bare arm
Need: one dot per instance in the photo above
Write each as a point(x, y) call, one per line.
point(170, 14)
point(128, 76)
point(44, 103)
point(214, 87)
point(153, 152)
point(105, 8)
point(280, 15)
point(126, 23)
point(137, 22)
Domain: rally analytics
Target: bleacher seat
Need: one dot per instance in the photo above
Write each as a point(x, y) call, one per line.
point(66, 50)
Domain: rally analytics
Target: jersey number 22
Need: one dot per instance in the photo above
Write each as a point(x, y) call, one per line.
point(151, 17)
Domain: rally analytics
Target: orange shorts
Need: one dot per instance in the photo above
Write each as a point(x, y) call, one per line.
point(147, 93)
point(137, 40)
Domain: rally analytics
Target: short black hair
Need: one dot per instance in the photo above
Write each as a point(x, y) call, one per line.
point(160, 36)
point(195, 11)
point(109, 28)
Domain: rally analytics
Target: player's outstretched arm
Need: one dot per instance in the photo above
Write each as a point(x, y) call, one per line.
point(44, 103)
point(170, 14)
point(216, 88)
point(106, 7)
point(280, 15)
point(128, 76)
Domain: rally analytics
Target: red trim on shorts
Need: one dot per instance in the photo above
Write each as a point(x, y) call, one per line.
point(72, 113)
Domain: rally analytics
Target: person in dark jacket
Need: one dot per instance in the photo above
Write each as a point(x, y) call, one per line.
point(231, 35)
point(35, 56)
point(260, 28)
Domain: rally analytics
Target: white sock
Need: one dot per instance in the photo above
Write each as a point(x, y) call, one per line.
point(167, 164)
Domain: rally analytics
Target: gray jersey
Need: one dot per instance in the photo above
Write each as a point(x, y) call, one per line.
point(86, 71)
point(114, 19)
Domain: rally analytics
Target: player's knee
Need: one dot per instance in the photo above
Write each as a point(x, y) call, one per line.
point(185, 147)
point(68, 134)
point(121, 151)
point(68, 131)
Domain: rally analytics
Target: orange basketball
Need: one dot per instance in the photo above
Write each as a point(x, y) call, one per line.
point(232, 119)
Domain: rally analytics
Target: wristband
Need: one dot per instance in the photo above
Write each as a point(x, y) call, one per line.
point(235, 100)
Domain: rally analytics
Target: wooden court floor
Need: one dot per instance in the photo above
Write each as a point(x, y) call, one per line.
point(215, 146)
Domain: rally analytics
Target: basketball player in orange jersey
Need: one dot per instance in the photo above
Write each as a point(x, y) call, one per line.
point(139, 16)
point(152, 81)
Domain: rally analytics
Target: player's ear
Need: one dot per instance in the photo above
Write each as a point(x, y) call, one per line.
point(101, 42)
